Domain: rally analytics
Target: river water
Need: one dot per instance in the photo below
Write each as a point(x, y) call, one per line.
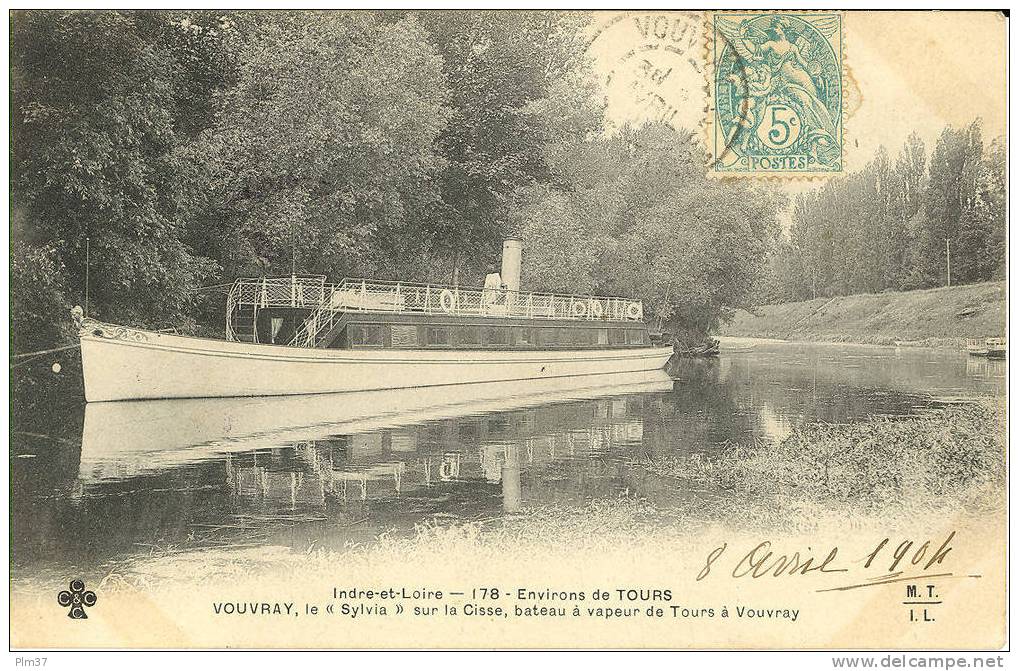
point(93, 486)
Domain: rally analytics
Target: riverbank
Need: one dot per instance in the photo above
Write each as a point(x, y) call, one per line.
point(935, 464)
point(931, 483)
point(944, 317)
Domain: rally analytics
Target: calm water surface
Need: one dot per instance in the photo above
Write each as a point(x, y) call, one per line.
point(95, 485)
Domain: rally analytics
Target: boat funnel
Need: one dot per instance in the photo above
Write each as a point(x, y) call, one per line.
point(511, 250)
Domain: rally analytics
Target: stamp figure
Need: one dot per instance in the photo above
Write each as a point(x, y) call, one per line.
point(777, 93)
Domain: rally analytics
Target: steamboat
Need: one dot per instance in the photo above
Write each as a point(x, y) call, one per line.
point(992, 348)
point(302, 335)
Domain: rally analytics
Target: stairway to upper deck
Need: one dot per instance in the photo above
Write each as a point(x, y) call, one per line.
point(243, 323)
point(327, 336)
point(321, 328)
point(248, 297)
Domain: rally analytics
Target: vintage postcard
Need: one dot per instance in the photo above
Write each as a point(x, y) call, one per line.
point(508, 329)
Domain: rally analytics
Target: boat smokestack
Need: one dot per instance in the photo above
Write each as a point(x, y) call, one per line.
point(511, 250)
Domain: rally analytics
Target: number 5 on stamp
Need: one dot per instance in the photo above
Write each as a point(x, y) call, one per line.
point(776, 82)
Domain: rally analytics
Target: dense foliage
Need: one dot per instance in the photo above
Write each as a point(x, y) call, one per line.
point(101, 103)
point(871, 467)
point(892, 226)
point(640, 218)
point(186, 148)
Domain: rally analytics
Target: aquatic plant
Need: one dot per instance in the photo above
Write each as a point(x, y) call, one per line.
point(945, 458)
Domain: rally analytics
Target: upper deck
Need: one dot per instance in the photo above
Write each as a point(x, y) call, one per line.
point(321, 303)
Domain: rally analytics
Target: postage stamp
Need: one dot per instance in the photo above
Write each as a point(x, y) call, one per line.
point(776, 93)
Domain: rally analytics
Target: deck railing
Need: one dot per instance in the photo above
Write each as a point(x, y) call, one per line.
point(248, 296)
point(296, 291)
point(331, 301)
point(375, 296)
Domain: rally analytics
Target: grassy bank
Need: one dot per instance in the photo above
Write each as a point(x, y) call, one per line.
point(934, 317)
point(936, 464)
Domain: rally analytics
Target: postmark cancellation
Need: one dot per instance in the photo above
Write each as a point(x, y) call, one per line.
point(776, 90)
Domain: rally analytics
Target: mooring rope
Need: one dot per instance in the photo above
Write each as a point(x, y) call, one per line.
point(30, 356)
point(46, 351)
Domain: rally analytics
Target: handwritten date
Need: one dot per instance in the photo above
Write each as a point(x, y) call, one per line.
point(765, 561)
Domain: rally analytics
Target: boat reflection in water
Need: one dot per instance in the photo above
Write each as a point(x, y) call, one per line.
point(310, 452)
point(154, 476)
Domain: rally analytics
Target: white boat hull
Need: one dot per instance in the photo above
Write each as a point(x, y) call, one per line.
point(121, 363)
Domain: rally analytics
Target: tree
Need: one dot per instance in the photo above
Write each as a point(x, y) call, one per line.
point(98, 113)
point(982, 238)
point(689, 247)
point(519, 98)
point(949, 195)
point(39, 307)
point(885, 227)
point(558, 255)
point(323, 160)
point(911, 177)
point(191, 147)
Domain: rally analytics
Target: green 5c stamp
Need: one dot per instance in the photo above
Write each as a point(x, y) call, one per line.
point(776, 92)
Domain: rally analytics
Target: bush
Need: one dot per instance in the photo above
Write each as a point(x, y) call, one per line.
point(40, 309)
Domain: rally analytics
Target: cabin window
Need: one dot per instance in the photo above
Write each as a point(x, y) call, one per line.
point(498, 424)
point(468, 335)
point(366, 335)
point(551, 336)
point(603, 336)
point(524, 336)
point(404, 335)
point(581, 337)
point(468, 430)
point(617, 337)
point(497, 335)
point(437, 336)
point(339, 449)
point(634, 337)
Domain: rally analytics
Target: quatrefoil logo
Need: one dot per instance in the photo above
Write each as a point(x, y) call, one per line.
point(77, 599)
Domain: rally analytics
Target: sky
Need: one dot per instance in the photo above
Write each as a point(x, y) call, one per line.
point(908, 71)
